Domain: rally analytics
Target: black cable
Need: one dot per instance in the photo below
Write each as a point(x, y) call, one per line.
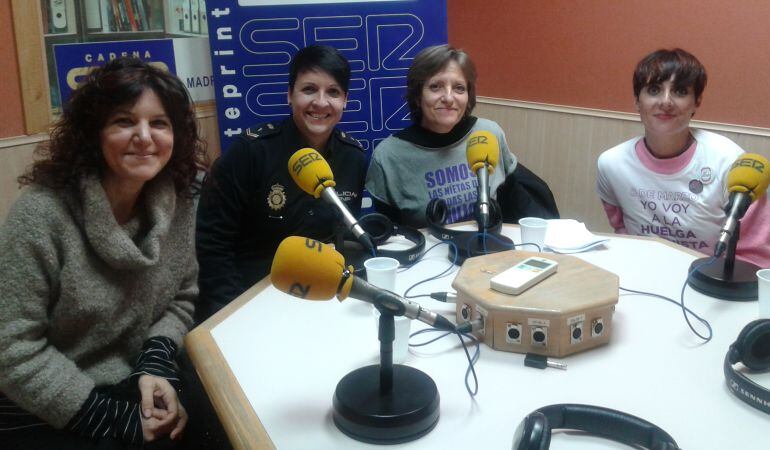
point(444, 273)
point(685, 310)
point(420, 257)
point(471, 360)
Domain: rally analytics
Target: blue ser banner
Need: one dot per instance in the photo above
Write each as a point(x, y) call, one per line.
point(187, 57)
point(74, 61)
point(253, 42)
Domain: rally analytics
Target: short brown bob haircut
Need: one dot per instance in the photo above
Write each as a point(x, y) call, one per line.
point(661, 65)
point(428, 63)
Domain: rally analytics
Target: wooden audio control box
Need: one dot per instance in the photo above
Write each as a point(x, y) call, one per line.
point(568, 312)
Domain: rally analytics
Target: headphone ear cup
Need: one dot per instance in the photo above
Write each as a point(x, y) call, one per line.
point(534, 433)
point(436, 211)
point(379, 227)
point(753, 345)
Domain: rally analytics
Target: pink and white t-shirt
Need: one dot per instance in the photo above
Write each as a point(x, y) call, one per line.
point(681, 199)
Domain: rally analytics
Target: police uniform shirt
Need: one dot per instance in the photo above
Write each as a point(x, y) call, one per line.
point(250, 204)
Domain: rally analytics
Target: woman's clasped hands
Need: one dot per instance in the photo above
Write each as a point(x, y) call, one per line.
point(162, 411)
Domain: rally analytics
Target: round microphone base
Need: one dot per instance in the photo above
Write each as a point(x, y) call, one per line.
point(475, 245)
point(712, 280)
point(409, 411)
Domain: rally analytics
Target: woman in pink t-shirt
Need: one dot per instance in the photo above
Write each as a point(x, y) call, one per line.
point(671, 181)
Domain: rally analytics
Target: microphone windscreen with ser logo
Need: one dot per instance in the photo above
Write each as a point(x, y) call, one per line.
point(309, 269)
point(749, 174)
point(310, 171)
point(482, 147)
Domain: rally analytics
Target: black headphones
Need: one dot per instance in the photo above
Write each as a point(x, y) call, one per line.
point(466, 242)
point(752, 348)
point(534, 432)
point(437, 212)
point(380, 228)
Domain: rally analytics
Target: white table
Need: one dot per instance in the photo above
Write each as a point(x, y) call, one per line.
point(279, 358)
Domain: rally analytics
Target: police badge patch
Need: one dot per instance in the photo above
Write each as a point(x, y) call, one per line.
point(276, 199)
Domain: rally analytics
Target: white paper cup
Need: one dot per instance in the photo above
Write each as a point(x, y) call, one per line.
point(401, 326)
point(533, 232)
point(763, 279)
point(381, 272)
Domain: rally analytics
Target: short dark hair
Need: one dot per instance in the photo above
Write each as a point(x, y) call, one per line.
point(75, 144)
point(321, 57)
point(661, 65)
point(429, 62)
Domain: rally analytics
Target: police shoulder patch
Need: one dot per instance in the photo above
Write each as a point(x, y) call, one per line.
point(262, 131)
point(348, 139)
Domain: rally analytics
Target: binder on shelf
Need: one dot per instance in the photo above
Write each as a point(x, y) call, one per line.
point(195, 26)
point(58, 16)
point(186, 24)
point(203, 17)
point(93, 15)
point(107, 16)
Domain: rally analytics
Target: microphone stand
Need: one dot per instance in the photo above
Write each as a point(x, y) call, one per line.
point(386, 403)
point(486, 241)
point(726, 278)
point(386, 335)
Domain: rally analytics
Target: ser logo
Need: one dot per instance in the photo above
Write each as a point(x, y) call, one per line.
point(476, 140)
point(759, 166)
point(76, 74)
point(304, 161)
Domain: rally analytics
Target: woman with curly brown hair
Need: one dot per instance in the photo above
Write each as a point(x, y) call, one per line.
point(97, 268)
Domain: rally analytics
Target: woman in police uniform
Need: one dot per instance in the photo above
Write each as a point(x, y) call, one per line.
point(251, 203)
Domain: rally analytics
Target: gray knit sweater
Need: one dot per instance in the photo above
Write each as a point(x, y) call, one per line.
point(79, 294)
